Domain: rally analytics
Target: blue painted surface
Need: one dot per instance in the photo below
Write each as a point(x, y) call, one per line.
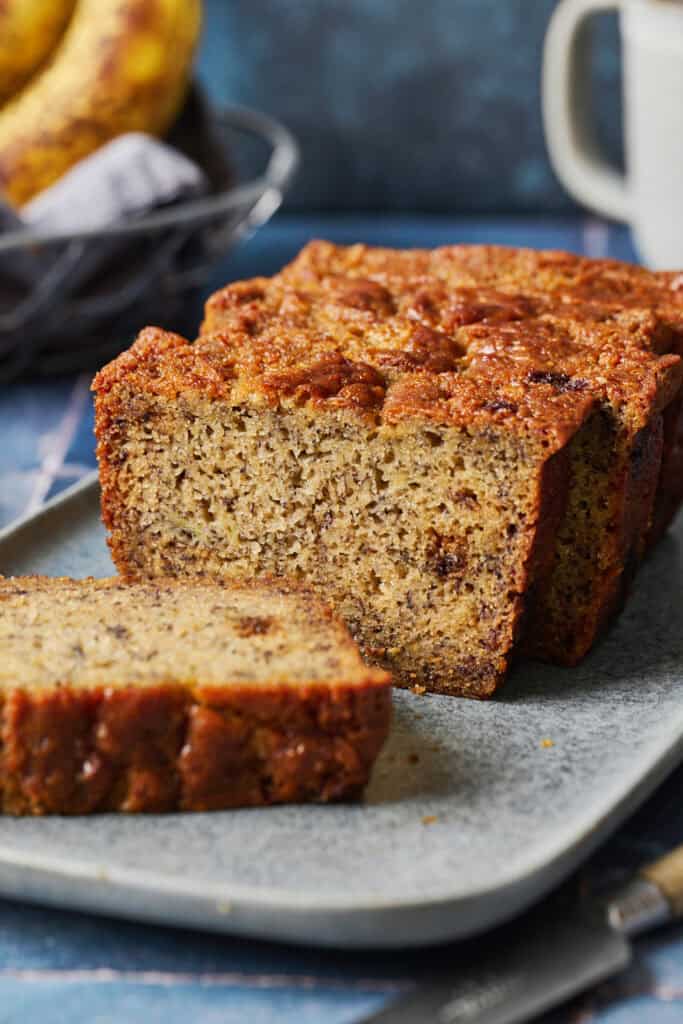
point(150, 1003)
point(67, 968)
point(270, 248)
point(30, 415)
point(402, 105)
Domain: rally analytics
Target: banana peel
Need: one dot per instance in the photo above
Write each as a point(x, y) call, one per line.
point(122, 65)
point(29, 32)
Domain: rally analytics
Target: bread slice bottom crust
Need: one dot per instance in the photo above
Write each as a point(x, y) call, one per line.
point(168, 748)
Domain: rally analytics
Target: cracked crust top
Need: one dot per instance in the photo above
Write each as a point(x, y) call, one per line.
point(463, 335)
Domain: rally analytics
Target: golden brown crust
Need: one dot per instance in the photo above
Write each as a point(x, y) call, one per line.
point(333, 380)
point(171, 748)
point(669, 492)
point(523, 282)
point(213, 367)
point(318, 332)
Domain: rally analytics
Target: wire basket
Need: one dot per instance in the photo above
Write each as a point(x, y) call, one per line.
point(98, 287)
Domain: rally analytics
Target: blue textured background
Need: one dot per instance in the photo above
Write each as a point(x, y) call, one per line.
point(404, 104)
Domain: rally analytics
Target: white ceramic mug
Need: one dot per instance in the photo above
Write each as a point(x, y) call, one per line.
point(650, 197)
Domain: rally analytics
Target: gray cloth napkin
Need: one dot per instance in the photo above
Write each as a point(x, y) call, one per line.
point(129, 176)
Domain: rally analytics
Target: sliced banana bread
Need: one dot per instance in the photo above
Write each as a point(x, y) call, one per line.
point(179, 695)
point(463, 466)
point(594, 324)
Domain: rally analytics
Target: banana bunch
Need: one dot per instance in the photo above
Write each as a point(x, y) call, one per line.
point(104, 67)
point(29, 32)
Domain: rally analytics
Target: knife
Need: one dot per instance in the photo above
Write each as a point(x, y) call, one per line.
point(558, 950)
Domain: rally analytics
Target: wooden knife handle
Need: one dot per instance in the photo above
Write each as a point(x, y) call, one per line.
point(667, 874)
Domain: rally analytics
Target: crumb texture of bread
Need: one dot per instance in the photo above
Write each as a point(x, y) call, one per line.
point(153, 696)
point(417, 536)
point(468, 449)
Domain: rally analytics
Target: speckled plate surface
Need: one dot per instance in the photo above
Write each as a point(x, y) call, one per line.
point(471, 816)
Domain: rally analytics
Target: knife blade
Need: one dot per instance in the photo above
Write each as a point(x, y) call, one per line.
point(551, 954)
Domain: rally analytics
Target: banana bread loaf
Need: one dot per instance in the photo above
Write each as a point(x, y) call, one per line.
point(548, 297)
point(169, 695)
point(467, 463)
point(462, 284)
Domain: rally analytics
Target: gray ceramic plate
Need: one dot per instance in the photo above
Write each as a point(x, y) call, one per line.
point(470, 817)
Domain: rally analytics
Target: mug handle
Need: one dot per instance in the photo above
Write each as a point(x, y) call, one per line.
point(568, 113)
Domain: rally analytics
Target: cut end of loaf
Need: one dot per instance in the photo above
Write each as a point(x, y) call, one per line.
point(423, 537)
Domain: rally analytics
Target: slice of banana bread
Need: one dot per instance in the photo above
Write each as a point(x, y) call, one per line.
point(166, 695)
point(613, 473)
point(423, 502)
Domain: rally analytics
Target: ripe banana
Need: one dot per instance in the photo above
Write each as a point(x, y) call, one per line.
point(29, 31)
point(122, 65)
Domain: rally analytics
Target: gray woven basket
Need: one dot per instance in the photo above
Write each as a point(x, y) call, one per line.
point(100, 286)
